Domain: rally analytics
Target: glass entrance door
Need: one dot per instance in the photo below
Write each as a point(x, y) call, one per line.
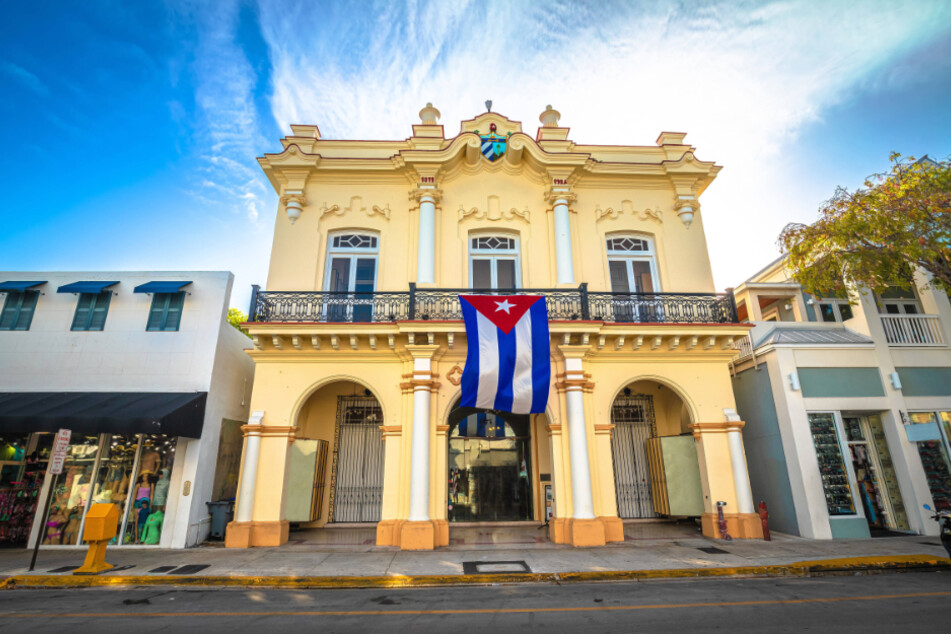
point(489, 469)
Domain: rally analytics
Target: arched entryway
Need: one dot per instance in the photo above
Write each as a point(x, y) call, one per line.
point(490, 475)
point(335, 472)
point(642, 411)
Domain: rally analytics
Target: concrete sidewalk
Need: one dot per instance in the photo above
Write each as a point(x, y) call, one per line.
point(648, 552)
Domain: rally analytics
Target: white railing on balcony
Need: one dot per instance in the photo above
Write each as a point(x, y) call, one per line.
point(913, 330)
point(744, 347)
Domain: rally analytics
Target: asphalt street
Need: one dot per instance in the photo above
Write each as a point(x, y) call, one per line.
point(910, 602)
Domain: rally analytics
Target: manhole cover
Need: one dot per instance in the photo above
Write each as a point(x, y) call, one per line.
point(494, 567)
point(713, 550)
point(189, 569)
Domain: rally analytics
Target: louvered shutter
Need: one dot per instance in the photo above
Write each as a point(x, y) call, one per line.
point(157, 312)
point(174, 314)
point(100, 307)
point(81, 318)
point(26, 310)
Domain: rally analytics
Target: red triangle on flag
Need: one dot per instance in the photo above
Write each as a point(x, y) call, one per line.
point(502, 310)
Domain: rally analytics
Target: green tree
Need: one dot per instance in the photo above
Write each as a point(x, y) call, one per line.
point(236, 318)
point(876, 235)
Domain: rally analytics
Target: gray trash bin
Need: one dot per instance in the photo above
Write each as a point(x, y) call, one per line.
point(221, 512)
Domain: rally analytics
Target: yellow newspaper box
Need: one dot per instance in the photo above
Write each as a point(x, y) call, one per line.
point(102, 524)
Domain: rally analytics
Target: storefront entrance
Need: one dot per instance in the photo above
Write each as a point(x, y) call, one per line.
point(358, 461)
point(489, 466)
point(877, 484)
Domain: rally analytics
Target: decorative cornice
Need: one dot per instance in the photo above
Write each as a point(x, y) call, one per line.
point(699, 429)
point(586, 386)
point(428, 384)
point(480, 214)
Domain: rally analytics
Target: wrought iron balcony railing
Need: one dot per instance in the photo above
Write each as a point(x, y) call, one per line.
point(442, 304)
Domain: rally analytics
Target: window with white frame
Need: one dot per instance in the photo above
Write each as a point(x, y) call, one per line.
point(896, 300)
point(352, 258)
point(632, 264)
point(494, 261)
point(834, 310)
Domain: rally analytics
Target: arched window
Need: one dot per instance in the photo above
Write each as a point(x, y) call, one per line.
point(632, 264)
point(352, 268)
point(494, 261)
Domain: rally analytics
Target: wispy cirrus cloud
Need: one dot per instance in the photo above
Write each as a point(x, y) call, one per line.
point(741, 78)
point(25, 77)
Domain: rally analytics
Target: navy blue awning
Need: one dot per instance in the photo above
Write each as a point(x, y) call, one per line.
point(17, 285)
point(170, 413)
point(85, 287)
point(161, 287)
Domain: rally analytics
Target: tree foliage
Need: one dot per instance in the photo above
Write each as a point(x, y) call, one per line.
point(236, 318)
point(876, 235)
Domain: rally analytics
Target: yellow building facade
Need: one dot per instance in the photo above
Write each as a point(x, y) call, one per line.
point(359, 343)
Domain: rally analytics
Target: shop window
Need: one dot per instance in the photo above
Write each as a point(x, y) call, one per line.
point(166, 312)
point(70, 490)
point(18, 310)
point(832, 470)
point(23, 459)
point(935, 460)
point(91, 311)
point(150, 489)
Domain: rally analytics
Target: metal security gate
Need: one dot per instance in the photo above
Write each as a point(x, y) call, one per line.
point(633, 419)
point(357, 485)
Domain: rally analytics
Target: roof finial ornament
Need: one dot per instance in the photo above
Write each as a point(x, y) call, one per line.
point(429, 115)
point(488, 105)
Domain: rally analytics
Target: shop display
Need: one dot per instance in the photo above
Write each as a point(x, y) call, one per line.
point(889, 477)
point(934, 460)
point(835, 477)
point(70, 491)
point(150, 489)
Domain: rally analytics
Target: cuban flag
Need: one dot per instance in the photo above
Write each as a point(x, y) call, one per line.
point(508, 366)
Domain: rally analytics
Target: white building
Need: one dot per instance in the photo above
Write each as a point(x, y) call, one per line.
point(148, 375)
point(847, 406)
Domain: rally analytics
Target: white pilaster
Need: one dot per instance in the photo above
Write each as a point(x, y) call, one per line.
point(563, 258)
point(249, 469)
point(426, 259)
point(741, 477)
point(419, 455)
point(578, 441)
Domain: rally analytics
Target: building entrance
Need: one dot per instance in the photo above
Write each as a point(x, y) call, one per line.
point(357, 486)
point(489, 466)
point(875, 476)
point(633, 418)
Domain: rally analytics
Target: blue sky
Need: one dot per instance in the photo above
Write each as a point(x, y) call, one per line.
point(132, 128)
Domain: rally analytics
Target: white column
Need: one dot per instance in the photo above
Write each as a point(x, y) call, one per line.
point(578, 443)
point(744, 496)
point(419, 455)
point(426, 262)
point(249, 469)
point(563, 258)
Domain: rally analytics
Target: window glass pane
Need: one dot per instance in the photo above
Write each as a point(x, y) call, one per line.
point(619, 281)
point(835, 478)
point(10, 309)
point(853, 429)
point(937, 468)
point(891, 309)
point(366, 271)
point(921, 417)
point(70, 494)
point(911, 309)
point(481, 274)
point(114, 477)
point(643, 280)
point(846, 311)
point(26, 310)
point(897, 292)
point(627, 244)
point(20, 480)
point(493, 243)
point(150, 490)
point(506, 273)
point(339, 274)
point(827, 311)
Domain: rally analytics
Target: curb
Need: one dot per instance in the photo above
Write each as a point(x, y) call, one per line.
point(850, 565)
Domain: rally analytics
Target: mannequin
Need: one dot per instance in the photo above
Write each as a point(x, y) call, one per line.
point(142, 518)
point(151, 461)
point(152, 532)
point(54, 526)
point(143, 487)
point(161, 488)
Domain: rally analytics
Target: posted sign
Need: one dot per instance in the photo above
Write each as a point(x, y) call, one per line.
point(60, 445)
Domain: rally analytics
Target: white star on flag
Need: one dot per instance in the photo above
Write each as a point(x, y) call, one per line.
point(504, 305)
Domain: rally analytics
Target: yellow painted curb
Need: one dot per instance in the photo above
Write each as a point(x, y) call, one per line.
point(798, 569)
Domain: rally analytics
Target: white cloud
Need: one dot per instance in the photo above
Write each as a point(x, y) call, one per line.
point(741, 79)
point(25, 77)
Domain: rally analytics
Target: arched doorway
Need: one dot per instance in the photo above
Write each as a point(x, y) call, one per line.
point(490, 466)
point(641, 411)
point(336, 461)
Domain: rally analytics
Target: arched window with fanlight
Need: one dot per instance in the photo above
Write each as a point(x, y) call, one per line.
point(351, 271)
point(494, 261)
point(633, 269)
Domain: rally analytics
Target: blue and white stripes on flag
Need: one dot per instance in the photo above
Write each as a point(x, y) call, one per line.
point(508, 366)
point(482, 425)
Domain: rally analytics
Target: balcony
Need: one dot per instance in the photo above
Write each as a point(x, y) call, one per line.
point(443, 305)
point(913, 330)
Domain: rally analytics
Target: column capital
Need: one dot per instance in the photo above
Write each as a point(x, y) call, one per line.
point(419, 193)
point(422, 351)
point(553, 195)
point(293, 201)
